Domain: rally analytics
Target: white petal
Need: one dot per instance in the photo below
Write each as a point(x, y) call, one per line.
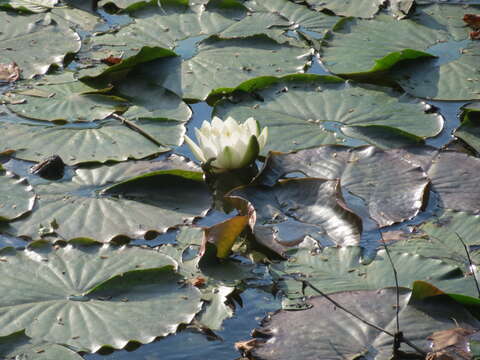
point(253, 126)
point(206, 128)
point(195, 149)
point(262, 139)
point(208, 147)
point(225, 159)
point(217, 123)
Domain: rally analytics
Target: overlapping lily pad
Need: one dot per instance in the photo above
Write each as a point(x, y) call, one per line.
point(294, 211)
point(16, 196)
point(106, 202)
point(323, 330)
point(92, 296)
point(342, 269)
point(391, 188)
point(34, 6)
point(20, 346)
point(64, 102)
point(469, 130)
point(35, 42)
point(369, 48)
point(304, 111)
point(359, 8)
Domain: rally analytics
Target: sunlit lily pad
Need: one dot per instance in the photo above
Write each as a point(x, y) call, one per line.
point(107, 202)
point(298, 15)
point(65, 102)
point(391, 188)
point(327, 332)
point(34, 6)
point(341, 269)
point(91, 296)
point(365, 48)
point(20, 346)
point(444, 237)
point(304, 111)
point(16, 196)
point(358, 8)
point(35, 42)
point(299, 210)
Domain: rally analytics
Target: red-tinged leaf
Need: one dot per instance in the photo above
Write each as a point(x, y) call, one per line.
point(473, 20)
point(112, 60)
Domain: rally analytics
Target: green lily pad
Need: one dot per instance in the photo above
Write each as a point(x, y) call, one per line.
point(92, 296)
point(77, 18)
point(107, 202)
point(221, 63)
point(35, 42)
point(216, 280)
point(34, 6)
point(469, 130)
point(358, 8)
point(341, 269)
point(304, 111)
point(65, 102)
point(16, 196)
point(391, 188)
point(322, 331)
point(125, 5)
point(297, 211)
point(20, 346)
point(297, 15)
point(442, 237)
point(365, 48)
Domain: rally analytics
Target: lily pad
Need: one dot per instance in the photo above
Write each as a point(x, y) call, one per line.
point(341, 269)
point(34, 6)
point(297, 15)
point(391, 188)
point(443, 238)
point(469, 130)
point(35, 42)
point(298, 210)
point(93, 296)
point(358, 8)
point(64, 102)
point(20, 346)
point(221, 63)
point(364, 48)
point(303, 111)
point(16, 196)
point(303, 334)
point(106, 202)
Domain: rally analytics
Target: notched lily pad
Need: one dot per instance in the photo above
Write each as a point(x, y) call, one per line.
point(109, 202)
point(35, 42)
point(16, 196)
point(469, 130)
point(90, 296)
point(303, 111)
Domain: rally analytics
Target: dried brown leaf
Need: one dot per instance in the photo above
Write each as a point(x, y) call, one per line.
point(9, 72)
point(473, 20)
point(452, 344)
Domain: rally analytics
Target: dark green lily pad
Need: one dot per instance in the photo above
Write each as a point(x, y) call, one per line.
point(35, 42)
point(299, 211)
point(107, 202)
point(16, 196)
point(391, 188)
point(304, 111)
point(63, 102)
point(92, 296)
point(469, 130)
point(342, 269)
point(364, 48)
point(19, 346)
point(322, 330)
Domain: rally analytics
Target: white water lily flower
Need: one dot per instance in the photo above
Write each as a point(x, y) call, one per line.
point(231, 144)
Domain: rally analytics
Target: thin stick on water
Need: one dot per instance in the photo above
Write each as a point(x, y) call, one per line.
point(471, 266)
point(136, 128)
point(397, 288)
point(401, 339)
